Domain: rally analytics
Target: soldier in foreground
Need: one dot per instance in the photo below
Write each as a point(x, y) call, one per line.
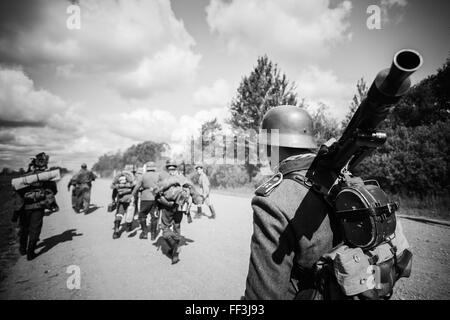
point(148, 183)
point(84, 180)
point(291, 225)
point(205, 190)
point(32, 201)
point(319, 231)
point(122, 185)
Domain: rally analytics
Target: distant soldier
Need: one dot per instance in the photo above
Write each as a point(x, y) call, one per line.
point(84, 180)
point(203, 181)
point(76, 194)
point(31, 203)
point(122, 185)
point(173, 197)
point(148, 184)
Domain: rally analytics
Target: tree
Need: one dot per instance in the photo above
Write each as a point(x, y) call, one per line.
point(324, 126)
point(265, 88)
point(136, 154)
point(358, 97)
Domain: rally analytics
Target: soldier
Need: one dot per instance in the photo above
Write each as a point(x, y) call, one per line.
point(173, 196)
point(203, 181)
point(122, 186)
point(148, 183)
point(291, 226)
point(32, 201)
point(84, 180)
point(76, 194)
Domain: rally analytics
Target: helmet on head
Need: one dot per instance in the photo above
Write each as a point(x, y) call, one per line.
point(150, 166)
point(198, 165)
point(170, 164)
point(39, 162)
point(294, 124)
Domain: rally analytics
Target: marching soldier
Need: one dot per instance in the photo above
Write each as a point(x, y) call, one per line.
point(292, 228)
point(205, 189)
point(173, 197)
point(76, 194)
point(148, 183)
point(84, 180)
point(122, 186)
point(31, 203)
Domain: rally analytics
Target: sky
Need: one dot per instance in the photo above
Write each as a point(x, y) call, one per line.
point(156, 70)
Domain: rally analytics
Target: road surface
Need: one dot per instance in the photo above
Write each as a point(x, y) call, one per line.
point(214, 259)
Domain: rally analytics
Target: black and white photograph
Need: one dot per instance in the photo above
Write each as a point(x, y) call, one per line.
point(224, 150)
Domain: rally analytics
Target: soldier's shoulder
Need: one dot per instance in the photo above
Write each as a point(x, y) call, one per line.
point(280, 192)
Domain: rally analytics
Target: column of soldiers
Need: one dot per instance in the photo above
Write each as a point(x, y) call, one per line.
point(165, 197)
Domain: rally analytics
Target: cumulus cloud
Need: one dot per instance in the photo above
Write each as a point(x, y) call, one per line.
point(323, 86)
point(294, 28)
point(118, 40)
point(392, 10)
point(21, 104)
point(218, 94)
point(166, 70)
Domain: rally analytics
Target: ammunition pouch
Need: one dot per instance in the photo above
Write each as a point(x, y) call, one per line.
point(374, 253)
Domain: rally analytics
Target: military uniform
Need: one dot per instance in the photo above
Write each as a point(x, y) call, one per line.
point(172, 210)
point(291, 231)
point(148, 184)
point(30, 206)
point(123, 185)
point(77, 204)
point(205, 190)
point(84, 180)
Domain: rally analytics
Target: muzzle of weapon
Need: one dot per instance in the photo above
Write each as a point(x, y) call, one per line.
point(360, 138)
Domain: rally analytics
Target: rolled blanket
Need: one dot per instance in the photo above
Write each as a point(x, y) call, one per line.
point(27, 180)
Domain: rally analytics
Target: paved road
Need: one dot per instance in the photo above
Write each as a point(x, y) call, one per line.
point(213, 263)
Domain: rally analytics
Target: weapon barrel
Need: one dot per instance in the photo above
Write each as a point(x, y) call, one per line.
point(387, 88)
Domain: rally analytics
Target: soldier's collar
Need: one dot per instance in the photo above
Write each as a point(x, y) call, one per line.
point(296, 163)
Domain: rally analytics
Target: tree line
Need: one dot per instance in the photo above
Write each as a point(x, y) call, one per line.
point(414, 161)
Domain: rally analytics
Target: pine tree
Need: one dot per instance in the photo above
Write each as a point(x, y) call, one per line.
point(263, 89)
point(360, 95)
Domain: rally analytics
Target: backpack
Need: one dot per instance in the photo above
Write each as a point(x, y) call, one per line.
point(374, 252)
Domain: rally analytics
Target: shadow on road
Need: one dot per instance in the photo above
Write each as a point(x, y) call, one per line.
point(161, 244)
point(91, 209)
point(49, 243)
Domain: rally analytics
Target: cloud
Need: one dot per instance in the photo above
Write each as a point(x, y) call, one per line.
point(23, 105)
point(300, 29)
point(166, 70)
point(219, 94)
point(392, 10)
point(33, 120)
point(139, 41)
point(323, 86)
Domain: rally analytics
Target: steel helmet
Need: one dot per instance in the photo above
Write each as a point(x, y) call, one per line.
point(171, 164)
point(294, 124)
point(199, 165)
